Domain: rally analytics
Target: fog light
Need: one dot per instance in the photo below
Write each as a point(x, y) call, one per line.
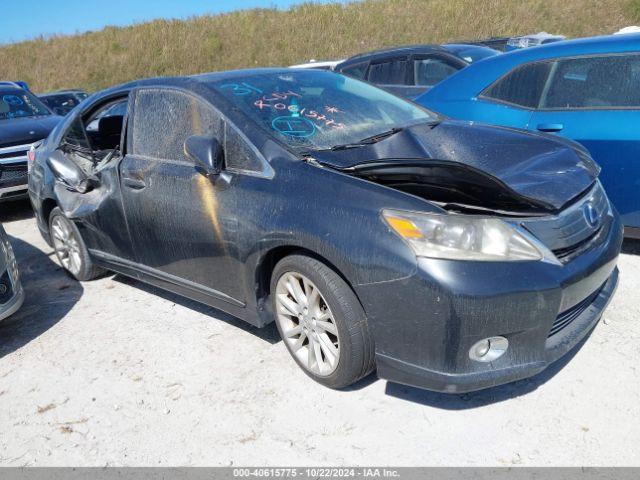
point(489, 349)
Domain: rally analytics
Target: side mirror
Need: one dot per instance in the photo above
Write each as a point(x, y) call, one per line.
point(68, 173)
point(206, 152)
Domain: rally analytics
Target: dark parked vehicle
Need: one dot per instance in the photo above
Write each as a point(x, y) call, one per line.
point(24, 120)
point(411, 71)
point(496, 43)
point(448, 255)
point(63, 101)
point(11, 292)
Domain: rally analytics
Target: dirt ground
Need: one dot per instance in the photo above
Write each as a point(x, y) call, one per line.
point(114, 372)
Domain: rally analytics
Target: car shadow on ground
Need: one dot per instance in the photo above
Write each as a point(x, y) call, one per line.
point(268, 334)
point(15, 210)
point(631, 246)
point(49, 295)
point(468, 401)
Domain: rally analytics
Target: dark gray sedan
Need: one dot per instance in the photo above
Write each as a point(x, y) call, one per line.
point(448, 255)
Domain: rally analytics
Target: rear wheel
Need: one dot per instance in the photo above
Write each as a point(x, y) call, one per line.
point(321, 322)
point(70, 249)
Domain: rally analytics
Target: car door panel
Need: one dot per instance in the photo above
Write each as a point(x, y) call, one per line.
point(101, 218)
point(492, 112)
point(182, 223)
point(611, 136)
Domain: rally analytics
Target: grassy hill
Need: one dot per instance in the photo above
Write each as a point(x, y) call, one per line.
point(264, 37)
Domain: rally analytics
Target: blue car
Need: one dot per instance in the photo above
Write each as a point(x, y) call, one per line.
point(587, 90)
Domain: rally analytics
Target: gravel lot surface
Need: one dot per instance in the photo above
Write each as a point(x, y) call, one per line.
point(114, 372)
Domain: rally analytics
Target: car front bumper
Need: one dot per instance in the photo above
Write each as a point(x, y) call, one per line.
point(424, 325)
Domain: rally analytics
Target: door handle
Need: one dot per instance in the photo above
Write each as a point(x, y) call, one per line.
point(133, 183)
point(550, 127)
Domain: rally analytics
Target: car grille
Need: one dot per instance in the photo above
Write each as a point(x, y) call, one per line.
point(13, 173)
point(6, 288)
point(570, 232)
point(14, 153)
point(565, 253)
point(568, 316)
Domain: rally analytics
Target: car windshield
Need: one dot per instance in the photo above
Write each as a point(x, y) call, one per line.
point(63, 100)
point(470, 53)
point(16, 103)
point(314, 109)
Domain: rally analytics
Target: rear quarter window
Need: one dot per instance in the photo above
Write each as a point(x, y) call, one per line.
point(522, 86)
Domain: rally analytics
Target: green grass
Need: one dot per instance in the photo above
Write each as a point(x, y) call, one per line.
point(268, 37)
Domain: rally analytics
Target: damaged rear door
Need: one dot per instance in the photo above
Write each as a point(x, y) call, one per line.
point(182, 222)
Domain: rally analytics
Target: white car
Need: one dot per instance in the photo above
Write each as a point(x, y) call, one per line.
point(324, 65)
point(630, 29)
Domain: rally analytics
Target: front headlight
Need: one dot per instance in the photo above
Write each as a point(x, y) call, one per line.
point(461, 237)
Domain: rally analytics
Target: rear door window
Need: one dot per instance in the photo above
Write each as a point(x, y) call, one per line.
point(390, 72)
point(522, 87)
point(607, 82)
point(429, 71)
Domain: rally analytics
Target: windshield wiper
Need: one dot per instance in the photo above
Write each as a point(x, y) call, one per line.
point(380, 136)
point(366, 141)
point(372, 139)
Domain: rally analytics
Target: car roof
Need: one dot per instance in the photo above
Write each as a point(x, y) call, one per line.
point(8, 83)
point(8, 86)
point(466, 81)
point(317, 64)
point(197, 83)
point(404, 50)
point(568, 48)
point(53, 94)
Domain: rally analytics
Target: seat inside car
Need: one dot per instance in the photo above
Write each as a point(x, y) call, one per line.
point(107, 137)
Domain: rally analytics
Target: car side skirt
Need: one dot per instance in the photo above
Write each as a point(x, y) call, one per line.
point(176, 285)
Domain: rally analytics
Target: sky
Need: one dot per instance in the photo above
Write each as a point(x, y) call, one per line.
point(26, 19)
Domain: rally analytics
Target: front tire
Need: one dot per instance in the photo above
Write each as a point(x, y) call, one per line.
point(321, 322)
point(70, 249)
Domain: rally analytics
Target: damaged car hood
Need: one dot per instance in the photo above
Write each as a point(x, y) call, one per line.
point(541, 170)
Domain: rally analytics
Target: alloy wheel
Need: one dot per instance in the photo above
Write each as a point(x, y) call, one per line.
point(307, 324)
point(66, 245)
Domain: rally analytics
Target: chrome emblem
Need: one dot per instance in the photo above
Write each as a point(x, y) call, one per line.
point(590, 214)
